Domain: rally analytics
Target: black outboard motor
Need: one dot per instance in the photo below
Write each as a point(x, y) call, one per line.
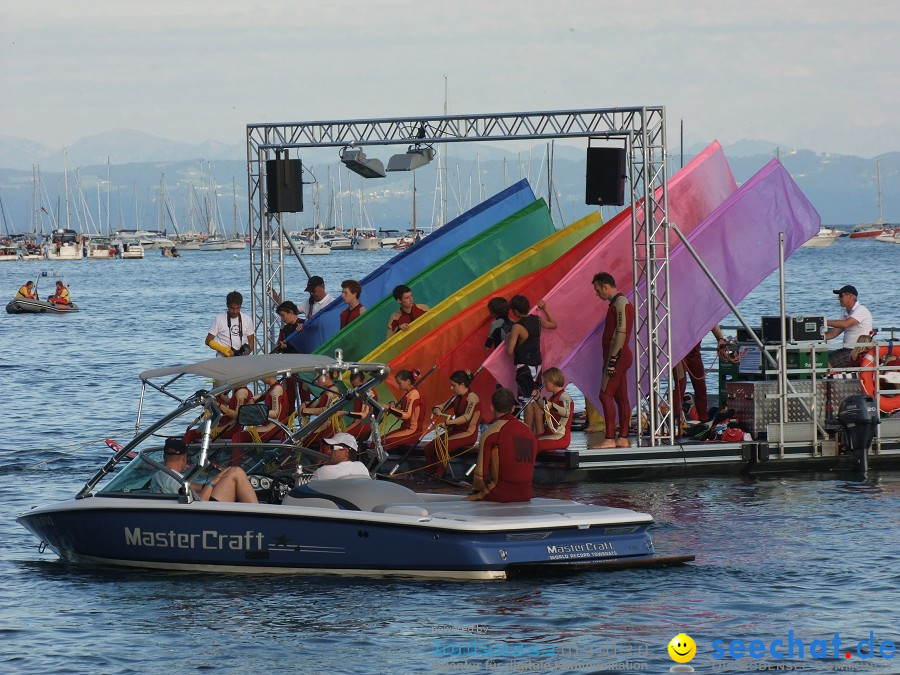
point(858, 417)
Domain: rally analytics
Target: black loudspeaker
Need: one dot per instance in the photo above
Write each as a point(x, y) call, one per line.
point(605, 176)
point(284, 186)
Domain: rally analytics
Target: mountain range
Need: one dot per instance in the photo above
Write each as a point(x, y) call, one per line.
point(842, 187)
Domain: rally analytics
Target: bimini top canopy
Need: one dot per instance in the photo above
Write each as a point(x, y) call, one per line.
point(239, 370)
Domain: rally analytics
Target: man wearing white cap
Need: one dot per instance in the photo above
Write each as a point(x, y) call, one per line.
point(855, 323)
point(340, 465)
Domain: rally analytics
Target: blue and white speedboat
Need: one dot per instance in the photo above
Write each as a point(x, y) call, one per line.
point(347, 526)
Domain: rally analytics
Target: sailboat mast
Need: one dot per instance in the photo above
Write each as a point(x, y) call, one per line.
point(66, 178)
point(108, 191)
point(878, 176)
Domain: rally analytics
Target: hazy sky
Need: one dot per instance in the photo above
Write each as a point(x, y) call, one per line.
point(819, 74)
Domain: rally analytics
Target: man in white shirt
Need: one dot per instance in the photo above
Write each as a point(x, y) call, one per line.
point(855, 323)
point(318, 298)
point(340, 465)
point(231, 334)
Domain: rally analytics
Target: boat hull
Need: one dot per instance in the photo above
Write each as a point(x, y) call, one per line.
point(266, 538)
point(25, 306)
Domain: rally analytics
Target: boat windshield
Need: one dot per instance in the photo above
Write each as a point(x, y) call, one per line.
point(270, 460)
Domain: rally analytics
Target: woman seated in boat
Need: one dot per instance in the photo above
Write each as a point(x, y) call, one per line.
point(457, 424)
point(558, 411)
point(61, 297)
point(358, 420)
point(505, 466)
point(276, 399)
point(27, 291)
point(329, 396)
point(411, 411)
point(229, 485)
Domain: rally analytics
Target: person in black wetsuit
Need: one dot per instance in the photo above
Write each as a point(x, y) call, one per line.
point(524, 344)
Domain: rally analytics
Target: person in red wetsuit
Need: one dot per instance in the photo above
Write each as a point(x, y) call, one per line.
point(408, 311)
point(411, 411)
point(276, 399)
point(358, 420)
point(617, 360)
point(558, 410)
point(293, 324)
point(350, 292)
point(458, 422)
point(692, 366)
point(329, 396)
point(505, 466)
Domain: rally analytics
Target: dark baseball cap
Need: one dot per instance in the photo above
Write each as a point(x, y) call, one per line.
point(846, 289)
point(174, 446)
point(313, 282)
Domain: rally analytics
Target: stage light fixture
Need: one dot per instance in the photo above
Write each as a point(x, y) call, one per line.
point(416, 156)
point(357, 162)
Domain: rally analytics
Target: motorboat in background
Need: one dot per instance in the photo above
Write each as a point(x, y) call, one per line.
point(100, 248)
point(345, 526)
point(8, 252)
point(64, 244)
point(365, 239)
point(128, 247)
point(824, 237)
point(889, 236)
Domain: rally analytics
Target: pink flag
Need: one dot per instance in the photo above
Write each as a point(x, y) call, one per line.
point(693, 194)
point(738, 242)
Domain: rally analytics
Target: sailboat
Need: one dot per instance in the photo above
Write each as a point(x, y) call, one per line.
point(64, 243)
point(872, 229)
point(236, 241)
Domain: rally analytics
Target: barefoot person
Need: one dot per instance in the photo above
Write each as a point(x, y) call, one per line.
point(617, 360)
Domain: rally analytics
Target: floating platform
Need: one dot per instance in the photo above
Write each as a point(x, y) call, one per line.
point(692, 458)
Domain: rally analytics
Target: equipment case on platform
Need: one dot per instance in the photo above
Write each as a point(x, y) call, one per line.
point(756, 411)
point(799, 328)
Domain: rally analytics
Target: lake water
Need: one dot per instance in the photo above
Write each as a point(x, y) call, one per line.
point(810, 554)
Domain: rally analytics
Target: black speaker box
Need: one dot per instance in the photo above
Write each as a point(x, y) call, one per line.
point(743, 335)
point(284, 187)
point(605, 176)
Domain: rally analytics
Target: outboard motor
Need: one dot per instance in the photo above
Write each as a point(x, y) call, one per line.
point(858, 417)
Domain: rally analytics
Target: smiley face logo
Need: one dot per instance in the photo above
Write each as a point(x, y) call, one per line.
point(682, 648)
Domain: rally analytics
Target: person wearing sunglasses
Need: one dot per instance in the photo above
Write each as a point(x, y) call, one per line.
point(340, 465)
point(855, 323)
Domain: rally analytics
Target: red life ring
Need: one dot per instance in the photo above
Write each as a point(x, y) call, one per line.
point(888, 403)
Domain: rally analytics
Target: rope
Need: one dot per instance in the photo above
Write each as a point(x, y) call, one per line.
point(428, 466)
point(442, 445)
point(63, 451)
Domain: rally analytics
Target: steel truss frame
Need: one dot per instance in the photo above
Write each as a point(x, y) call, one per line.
point(641, 128)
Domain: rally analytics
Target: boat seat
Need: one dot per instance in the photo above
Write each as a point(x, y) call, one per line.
point(315, 502)
point(354, 494)
point(402, 510)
